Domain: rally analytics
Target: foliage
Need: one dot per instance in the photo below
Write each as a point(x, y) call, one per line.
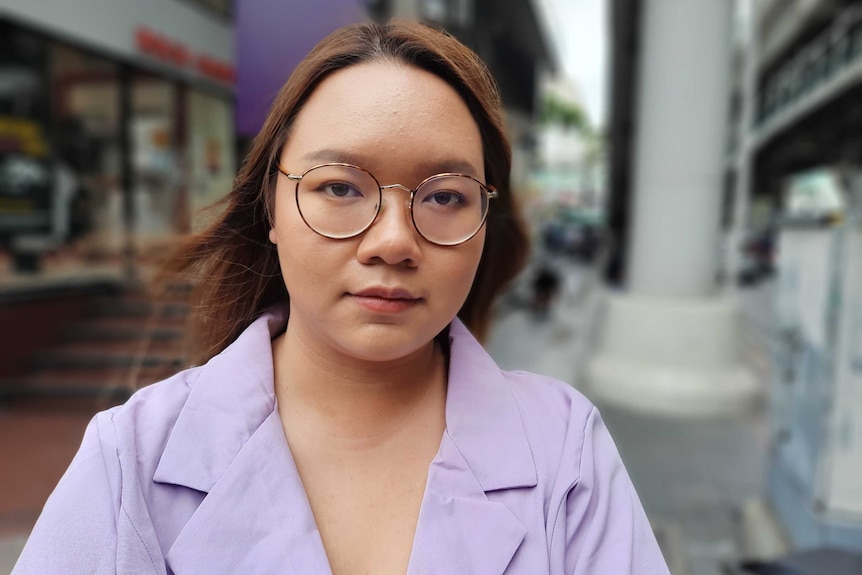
point(566, 114)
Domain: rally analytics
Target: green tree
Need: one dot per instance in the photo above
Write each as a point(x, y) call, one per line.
point(566, 114)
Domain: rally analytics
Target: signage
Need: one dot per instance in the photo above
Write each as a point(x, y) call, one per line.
point(176, 53)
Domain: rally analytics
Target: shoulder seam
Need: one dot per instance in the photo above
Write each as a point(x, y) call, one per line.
point(590, 417)
point(122, 500)
point(572, 485)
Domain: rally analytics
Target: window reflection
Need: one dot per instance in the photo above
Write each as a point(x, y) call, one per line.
point(74, 199)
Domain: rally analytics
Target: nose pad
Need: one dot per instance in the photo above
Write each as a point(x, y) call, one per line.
point(406, 201)
point(407, 215)
point(392, 238)
point(406, 205)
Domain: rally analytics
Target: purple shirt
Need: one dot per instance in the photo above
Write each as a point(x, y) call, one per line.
point(194, 475)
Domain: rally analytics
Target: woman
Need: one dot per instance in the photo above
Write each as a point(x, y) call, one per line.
point(354, 425)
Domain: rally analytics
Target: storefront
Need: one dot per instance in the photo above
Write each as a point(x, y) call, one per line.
point(116, 126)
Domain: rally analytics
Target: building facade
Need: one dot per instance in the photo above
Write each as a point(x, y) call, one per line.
point(797, 96)
point(806, 157)
point(809, 89)
point(116, 124)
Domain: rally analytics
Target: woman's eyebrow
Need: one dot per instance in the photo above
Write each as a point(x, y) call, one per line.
point(427, 167)
point(327, 155)
point(451, 165)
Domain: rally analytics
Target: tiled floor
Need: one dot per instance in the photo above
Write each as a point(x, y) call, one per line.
point(35, 447)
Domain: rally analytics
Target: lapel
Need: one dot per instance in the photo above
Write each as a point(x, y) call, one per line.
point(485, 449)
point(460, 530)
point(256, 518)
point(229, 443)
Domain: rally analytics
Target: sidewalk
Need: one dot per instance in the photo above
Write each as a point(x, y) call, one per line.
point(36, 447)
point(694, 477)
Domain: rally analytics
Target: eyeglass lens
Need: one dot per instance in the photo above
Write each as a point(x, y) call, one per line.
point(342, 201)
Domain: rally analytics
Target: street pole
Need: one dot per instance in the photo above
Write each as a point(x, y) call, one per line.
point(744, 148)
point(670, 344)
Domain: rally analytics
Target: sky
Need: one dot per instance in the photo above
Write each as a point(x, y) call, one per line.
point(580, 31)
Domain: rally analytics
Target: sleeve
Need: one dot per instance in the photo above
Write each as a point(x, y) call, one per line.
point(606, 528)
point(77, 530)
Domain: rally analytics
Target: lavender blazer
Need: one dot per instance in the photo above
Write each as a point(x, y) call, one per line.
point(194, 475)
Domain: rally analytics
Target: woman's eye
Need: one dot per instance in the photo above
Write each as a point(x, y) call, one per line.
point(446, 198)
point(341, 190)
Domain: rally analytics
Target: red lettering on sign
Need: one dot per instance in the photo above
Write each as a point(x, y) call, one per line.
point(177, 54)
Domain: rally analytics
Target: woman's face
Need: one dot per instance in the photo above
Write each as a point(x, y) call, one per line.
point(385, 294)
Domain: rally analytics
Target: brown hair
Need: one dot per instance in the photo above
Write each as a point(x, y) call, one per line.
point(236, 268)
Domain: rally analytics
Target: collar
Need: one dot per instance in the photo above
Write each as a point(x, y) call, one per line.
point(228, 441)
point(228, 402)
point(234, 394)
point(482, 417)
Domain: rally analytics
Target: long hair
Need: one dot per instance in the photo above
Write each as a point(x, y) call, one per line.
point(235, 268)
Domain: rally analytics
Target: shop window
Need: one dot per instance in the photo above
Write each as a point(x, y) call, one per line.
point(60, 198)
point(157, 167)
point(211, 151)
point(86, 131)
point(26, 171)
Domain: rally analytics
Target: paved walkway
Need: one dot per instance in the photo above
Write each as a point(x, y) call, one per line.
point(693, 476)
point(35, 447)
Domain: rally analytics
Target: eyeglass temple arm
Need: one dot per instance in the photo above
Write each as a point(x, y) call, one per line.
point(290, 176)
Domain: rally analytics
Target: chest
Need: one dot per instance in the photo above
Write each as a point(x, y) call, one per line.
point(365, 496)
point(367, 517)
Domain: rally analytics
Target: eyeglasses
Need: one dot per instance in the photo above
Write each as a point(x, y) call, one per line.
point(340, 201)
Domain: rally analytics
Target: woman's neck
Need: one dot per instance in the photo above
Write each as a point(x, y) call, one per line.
point(352, 404)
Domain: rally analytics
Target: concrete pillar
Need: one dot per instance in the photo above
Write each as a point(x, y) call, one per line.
point(670, 343)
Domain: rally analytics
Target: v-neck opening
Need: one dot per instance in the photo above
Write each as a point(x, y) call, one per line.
point(293, 468)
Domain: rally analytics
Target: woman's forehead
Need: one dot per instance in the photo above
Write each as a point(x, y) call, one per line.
point(380, 110)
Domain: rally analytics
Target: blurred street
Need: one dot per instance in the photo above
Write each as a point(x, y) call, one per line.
point(680, 166)
point(694, 477)
point(36, 447)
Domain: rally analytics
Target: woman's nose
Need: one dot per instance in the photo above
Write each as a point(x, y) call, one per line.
point(392, 238)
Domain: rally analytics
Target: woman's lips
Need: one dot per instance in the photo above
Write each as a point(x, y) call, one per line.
point(385, 300)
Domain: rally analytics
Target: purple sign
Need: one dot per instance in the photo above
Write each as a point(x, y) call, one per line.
point(272, 37)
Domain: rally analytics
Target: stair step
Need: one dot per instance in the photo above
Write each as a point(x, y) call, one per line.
point(83, 389)
point(134, 331)
point(87, 377)
point(119, 343)
point(140, 306)
point(58, 358)
point(79, 384)
point(63, 399)
point(88, 348)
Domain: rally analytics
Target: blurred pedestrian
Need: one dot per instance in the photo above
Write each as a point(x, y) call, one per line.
point(546, 287)
point(346, 419)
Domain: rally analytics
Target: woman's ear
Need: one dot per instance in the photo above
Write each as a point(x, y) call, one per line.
point(273, 237)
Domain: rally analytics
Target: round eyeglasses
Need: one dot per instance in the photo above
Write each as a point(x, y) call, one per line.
point(340, 201)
